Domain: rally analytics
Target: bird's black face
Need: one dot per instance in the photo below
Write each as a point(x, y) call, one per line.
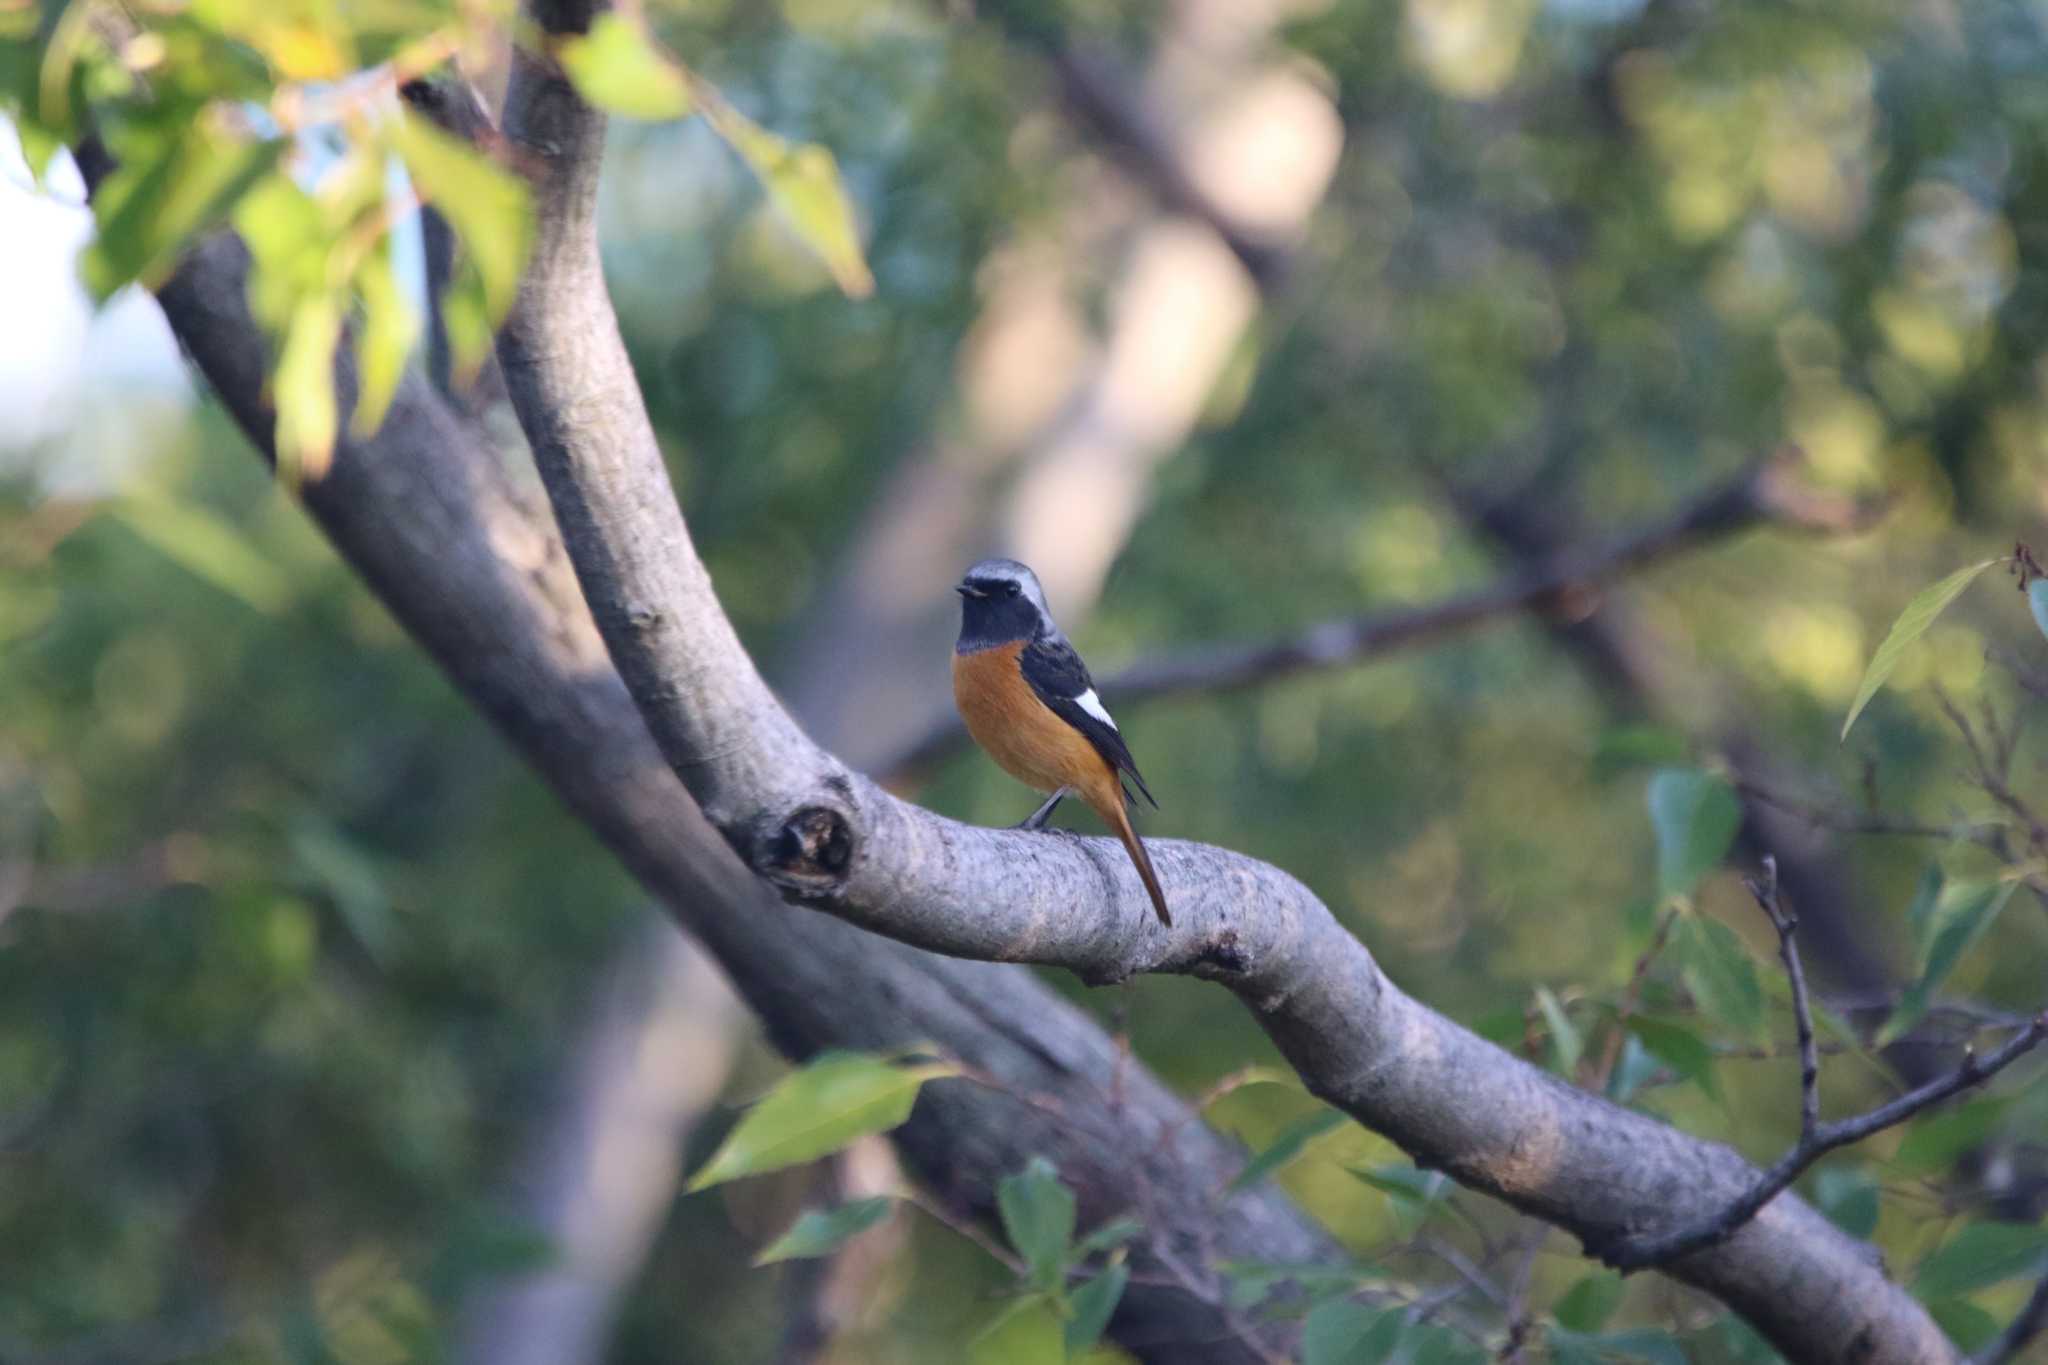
point(999, 604)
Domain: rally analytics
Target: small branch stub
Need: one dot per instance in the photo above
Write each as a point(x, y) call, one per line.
point(809, 853)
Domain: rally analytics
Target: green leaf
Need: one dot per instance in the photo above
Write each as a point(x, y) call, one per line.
point(803, 182)
point(1038, 1217)
point(1028, 1332)
point(1967, 1325)
point(1426, 1343)
point(38, 147)
point(204, 546)
point(1564, 1035)
point(1849, 1199)
point(303, 388)
point(1341, 1332)
point(1981, 1254)
point(289, 243)
point(485, 205)
point(150, 211)
point(325, 860)
point(1287, 1146)
point(821, 1108)
point(1587, 1305)
point(1412, 1192)
point(1114, 1233)
point(1920, 914)
point(1721, 975)
point(1963, 911)
point(620, 69)
point(1251, 1281)
point(1091, 1306)
point(1911, 625)
point(1935, 1140)
point(1695, 816)
point(1633, 1069)
point(390, 327)
point(820, 1232)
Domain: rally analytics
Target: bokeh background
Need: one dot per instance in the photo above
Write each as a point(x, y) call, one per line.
point(1229, 316)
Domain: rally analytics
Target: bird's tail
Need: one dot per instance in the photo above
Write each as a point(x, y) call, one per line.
point(1120, 821)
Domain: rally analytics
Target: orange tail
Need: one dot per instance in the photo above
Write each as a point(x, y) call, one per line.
point(1120, 821)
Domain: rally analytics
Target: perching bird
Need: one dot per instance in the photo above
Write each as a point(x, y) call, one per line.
point(1027, 699)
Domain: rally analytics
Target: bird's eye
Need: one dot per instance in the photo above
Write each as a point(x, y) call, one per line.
point(1011, 590)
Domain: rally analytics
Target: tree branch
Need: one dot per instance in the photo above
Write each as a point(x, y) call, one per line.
point(1816, 1139)
point(1764, 494)
point(831, 839)
point(426, 513)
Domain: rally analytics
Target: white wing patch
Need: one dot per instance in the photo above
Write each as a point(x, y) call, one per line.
point(1092, 704)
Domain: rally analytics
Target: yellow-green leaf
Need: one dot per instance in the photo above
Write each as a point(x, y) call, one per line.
point(289, 243)
point(803, 182)
point(818, 1109)
point(390, 327)
point(486, 205)
point(1028, 1332)
point(620, 69)
point(1911, 625)
point(304, 389)
point(150, 211)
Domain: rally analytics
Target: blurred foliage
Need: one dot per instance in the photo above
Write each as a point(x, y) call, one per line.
point(290, 950)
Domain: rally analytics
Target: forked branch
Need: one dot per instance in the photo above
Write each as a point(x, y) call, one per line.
point(830, 839)
point(1816, 1139)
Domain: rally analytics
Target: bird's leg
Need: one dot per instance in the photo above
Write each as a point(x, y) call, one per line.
point(1037, 818)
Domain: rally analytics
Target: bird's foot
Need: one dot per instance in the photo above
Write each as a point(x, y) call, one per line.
point(1037, 818)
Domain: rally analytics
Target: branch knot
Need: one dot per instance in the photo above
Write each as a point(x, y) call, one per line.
point(809, 852)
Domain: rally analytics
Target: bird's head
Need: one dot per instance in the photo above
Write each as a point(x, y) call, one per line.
point(1001, 601)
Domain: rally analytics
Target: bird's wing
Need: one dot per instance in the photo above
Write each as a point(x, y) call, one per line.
point(1061, 681)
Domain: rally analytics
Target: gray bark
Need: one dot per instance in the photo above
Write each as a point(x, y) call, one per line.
point(429, 516)
point(830, 839)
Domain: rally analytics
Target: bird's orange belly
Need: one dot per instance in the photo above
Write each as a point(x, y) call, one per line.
point(1019, 731)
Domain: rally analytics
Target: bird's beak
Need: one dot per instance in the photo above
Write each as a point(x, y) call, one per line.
point(966, 591)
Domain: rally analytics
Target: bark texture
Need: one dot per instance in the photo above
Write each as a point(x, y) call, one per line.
point(431, 518)
point(830, 839)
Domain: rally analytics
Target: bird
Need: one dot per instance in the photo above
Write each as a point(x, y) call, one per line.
point(1029, 702)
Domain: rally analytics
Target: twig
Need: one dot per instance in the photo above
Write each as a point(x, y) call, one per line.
point(1816, 1139)
point(1760, 495)
point(1630, 999)
point(2031, 1322)
point(1842, 820)
point(1765, 891)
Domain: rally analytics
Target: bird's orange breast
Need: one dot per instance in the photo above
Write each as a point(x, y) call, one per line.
point(1020, 732)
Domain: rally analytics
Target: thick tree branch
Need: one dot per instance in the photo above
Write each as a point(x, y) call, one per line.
point(831, 839)
point(427, 514)
point(1764, 494)
point(1816, 1139)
